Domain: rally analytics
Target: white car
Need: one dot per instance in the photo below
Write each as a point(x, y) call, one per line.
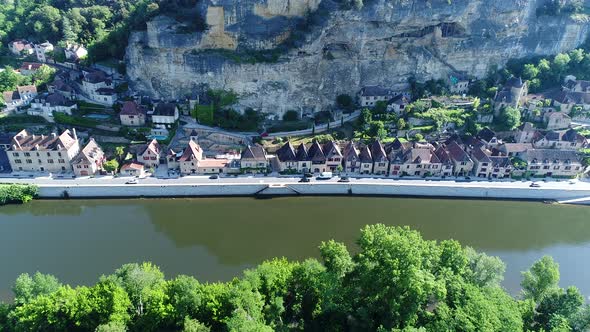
point(132, 181)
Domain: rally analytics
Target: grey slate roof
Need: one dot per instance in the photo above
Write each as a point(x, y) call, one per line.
point(550, 155)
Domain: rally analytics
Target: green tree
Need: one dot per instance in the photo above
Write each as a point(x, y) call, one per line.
point(345, 101)
point(119, 152)
point(377, 130)
point(401, 124)
point(530, 71)
point(44, 22)
point(561, 62)
point(111, 165)
point(9, 79)
point(365, 118)
point(192, 325)
point(43, 75)
point(540, 279)
point(511, 117)
point(27, 288)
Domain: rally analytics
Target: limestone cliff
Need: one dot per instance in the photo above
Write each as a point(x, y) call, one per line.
point(384, 43)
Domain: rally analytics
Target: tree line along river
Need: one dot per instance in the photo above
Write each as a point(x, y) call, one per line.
point(216, 238)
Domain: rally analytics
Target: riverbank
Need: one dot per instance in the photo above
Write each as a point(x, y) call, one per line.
point(565, 191)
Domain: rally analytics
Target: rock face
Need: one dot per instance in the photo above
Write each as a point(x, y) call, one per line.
point(385, 43)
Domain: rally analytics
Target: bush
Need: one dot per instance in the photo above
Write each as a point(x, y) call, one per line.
point(16, 193)
point(65, 119)
point(19, 119)
point(345, 102)
point(291, 116)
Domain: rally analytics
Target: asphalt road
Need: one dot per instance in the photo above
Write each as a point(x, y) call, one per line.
point(205, 180)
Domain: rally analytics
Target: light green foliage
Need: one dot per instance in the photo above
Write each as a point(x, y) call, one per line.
point(397, 281)
point(542, 278)
point(111, 165)
point(377, 130)
point(530, 71)
point(511, 117)
point(336, 258)
point(484, 270)
point(401, 124)
point(27, 288)
point(43, 75)
point(9, 79)
point(112, 327)
point(192, 325)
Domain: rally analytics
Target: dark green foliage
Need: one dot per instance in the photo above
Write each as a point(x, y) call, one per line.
point(396, 282)
point(71, 120)
point(345, 102)
point(16, 193)
point(291, 116)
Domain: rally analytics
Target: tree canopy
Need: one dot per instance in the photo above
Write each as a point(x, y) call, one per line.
point(397, 281)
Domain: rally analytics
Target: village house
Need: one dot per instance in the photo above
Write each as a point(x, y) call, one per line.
point(351, 158)
point(370, 95)
point(398, 105)
point(462, 163)
point(303, 161)
point(551, 162)
point(253, 159)
point(41, 51)
point(43, 153)
point(445, 160)
point(60, 86)
point(333, 156)
point(98, 87)
point(132, 114)
point(21, 47)
point(29, 68)
point(419, 161)
point(133, 169)
point(48, 103)
point(514, 149)
point(213, 166)
point(512, 94)
point(149, 154)
point(458, 84)
point(380, 160)
point(562, 140)
point(366, 160)
point(488, 166)
point(557, 120)
point(489, 137)
point(75, 52)
point(574, 85)
point(165, 114)
point(317, 157)
point(21, 97)
point(525, 133)
point(190, 159)
point(287, 158)
point(89, 161)
point(565, 101)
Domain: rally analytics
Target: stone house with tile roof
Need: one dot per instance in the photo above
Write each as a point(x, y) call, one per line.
point(43, 153)
point(487, 165)
point(552, 162)
point(89, 160)
point(149, 154)
point(380, 160)
point(132, 114)
point(254, 159)
point(563, 140)
point(351, 158)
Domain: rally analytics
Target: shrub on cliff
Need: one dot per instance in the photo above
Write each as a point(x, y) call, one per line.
point(16, 193)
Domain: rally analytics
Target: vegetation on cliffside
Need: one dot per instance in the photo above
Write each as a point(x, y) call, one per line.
point(397, 282)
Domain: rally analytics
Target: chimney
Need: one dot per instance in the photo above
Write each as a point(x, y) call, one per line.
point(75, 135)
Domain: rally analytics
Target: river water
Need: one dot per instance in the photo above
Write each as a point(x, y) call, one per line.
point(216, 238)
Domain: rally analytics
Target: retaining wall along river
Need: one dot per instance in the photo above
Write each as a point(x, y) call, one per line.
point(471, 190)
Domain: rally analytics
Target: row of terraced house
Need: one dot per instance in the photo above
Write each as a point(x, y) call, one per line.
point(457, 156)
